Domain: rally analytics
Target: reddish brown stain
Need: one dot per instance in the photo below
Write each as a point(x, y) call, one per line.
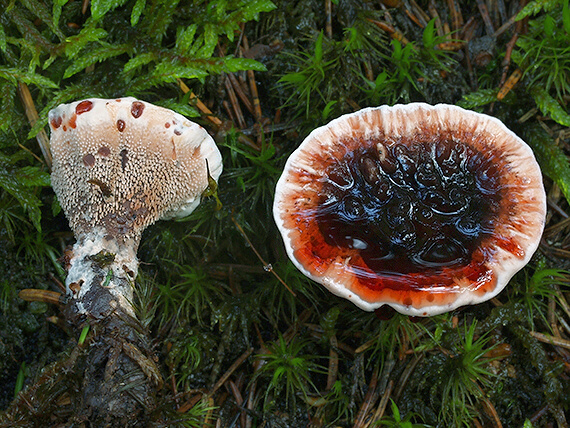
point(104, 151)
point(73, 121)
point(167, 125)
point(177, 132)
point(55, 122)
point(121, 125)
point(510, 245)
point(89, 160)
point(64, 128)
point(83, 107)
point(137, 109)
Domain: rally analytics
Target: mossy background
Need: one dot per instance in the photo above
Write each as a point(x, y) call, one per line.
point(217, 287)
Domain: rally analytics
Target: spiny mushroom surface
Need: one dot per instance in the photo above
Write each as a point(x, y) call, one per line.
point(423, 208)
point(118, 166)
point(123, 164)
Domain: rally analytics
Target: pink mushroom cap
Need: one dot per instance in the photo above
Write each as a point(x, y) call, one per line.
point(422, 208)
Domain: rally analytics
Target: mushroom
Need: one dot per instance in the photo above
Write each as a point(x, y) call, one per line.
point(118, 166)
point(422, 208)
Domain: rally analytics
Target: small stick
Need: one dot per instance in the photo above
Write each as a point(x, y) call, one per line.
point(232, 369)
point(333, 363)
point(369, 400)
point(250, 404)
point(486, 18)
point(383, 402)
point(33, 117)
point(420, 14)
point(434, 14)
point(207, 419)
point(391, 31)
point(492, 413)
point(46, 296)
point(414, 18)
point(229, 110)
point(527, 115)
point(30, 152)
point(406, 375)
point(457, 19)
point(240, 92)
point(507, 59)
point(239, 401)
point(506, 25)
point(189, 404)
point(328, 13)
point(509, 84)
point(552, 340)
point(235, 105)
point(502, 10)
point(253, 86)
point(199, 104)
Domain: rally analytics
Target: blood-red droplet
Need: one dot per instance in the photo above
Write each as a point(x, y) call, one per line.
point(55, 122)
point(83, 107)
point(73, 121)
point(137, 109)
point(121, 125)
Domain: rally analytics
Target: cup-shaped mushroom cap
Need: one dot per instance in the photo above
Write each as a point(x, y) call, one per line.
point(423, 208)
point(122, 164)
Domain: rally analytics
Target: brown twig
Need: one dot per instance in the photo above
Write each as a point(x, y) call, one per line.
point(486, 18)
point(406, 375)
point(509, 84)
point(234, 102)
point(392, 32)
point(328, 13)
point(507, 59)
point(369, 400)
point(33, 117)
point(229, 372)
point(434, 14)
point(383, 403)
point(491, 412)
point(505, 26)
point(46, 296)
point(456, 17)
point(239, 90)
point(332, 372)
point(552, 340)
point(253, 87)
point(199, 104)
point(189, 403)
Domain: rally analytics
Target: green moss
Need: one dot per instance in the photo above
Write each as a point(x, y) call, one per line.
point(219, 283)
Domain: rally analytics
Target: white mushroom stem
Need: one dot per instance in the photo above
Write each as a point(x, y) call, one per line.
point(99, 264)
point(118, 166)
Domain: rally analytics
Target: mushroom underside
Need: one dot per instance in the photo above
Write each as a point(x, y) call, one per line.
point(422, 208)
